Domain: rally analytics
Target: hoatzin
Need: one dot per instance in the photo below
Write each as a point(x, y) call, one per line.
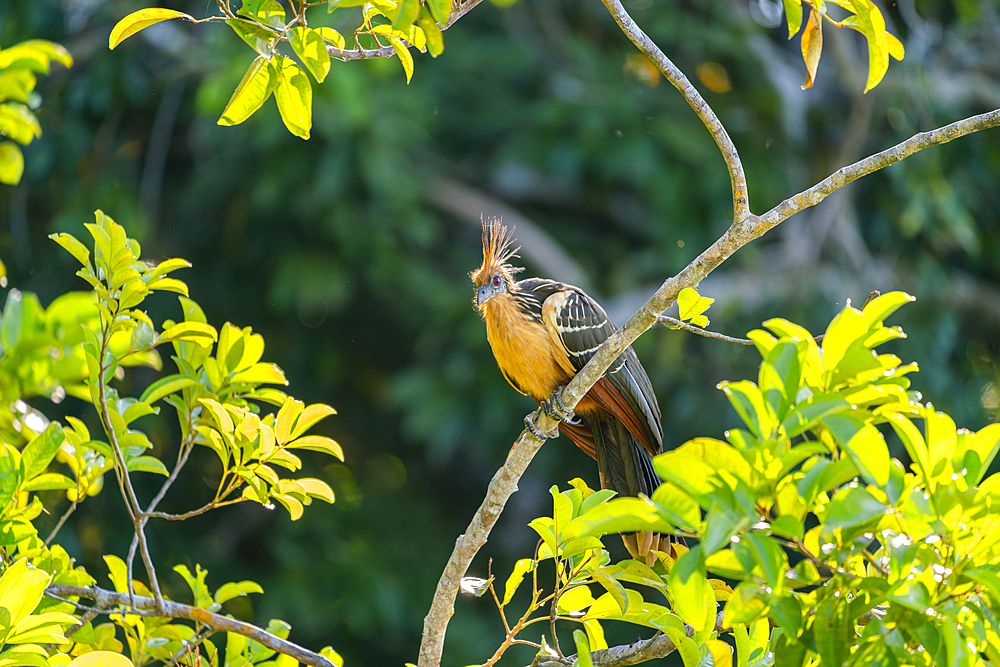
point(542, 333)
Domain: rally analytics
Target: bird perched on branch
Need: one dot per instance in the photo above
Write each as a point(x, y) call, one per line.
point(542, 333)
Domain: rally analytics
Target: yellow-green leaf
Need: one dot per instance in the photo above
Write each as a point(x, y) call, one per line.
point(11, 163)
point(435, 43)
point(293, 93)
point(101, 659)
point(407, 12)
point(441, 9)
point(878, 48)
point(194, 332)
point(405, 57)
point(261, 373)
point(793, 14)
point(252, 91)
point(73, 246)
point(140, 20)
point(331, 36)
point(311, 49)
point(255, 35)
point(690, 304)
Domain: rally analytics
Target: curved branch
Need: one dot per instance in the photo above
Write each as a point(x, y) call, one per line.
point(106, 601)
point(741, 205)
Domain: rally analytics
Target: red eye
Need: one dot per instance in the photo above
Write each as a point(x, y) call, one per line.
point(496, 281)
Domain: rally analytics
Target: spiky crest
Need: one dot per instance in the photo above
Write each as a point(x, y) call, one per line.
point(496, 253)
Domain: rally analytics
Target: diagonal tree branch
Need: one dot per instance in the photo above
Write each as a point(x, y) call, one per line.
point(110, 602)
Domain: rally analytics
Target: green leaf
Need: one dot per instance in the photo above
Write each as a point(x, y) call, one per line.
point(253, 90)
point(435, 42)
point(781, 375)
point(852, 507)
point(331, 36)
point(407, 12)
point(18, 123)
point(441, 9)
point(255, 35)
point(147, 464)
point(808, 414)
point(793, 13)
point(677, 506)
point(193, 332)
point(582, 649)
point(688, 585)
point(831, 630)
point(21, 589)
point(311, 49)
point(309, 417)
point(101, 659)
point(405, 57)
point(73, 246)
point(293, 93)
point(748, 602)
point(261, 373)
point(291, 504)
point(166, 386)
point(864, 444)
point(878, 47)
point(140, 20)
point(48, 482)
point(690, 304)
point(231, 590)
point(619, 515)
point(41, 450)
point(769, 556)
point(521, 568)
point(749, 403)
point(11, 163)
point(612, 586)
point(268, 12)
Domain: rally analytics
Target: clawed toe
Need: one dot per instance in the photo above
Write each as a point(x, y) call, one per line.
point(538, 434)
point(554, 408)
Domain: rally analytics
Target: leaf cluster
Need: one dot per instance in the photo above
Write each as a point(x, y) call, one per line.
point(821, 547)
point(862, 15)
point(265, 25)
point(80, 347)
point(19, 66)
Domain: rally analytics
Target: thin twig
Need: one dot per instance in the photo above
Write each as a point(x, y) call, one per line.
point(738, 180)
point(666, 320)
point(62, 519)
point(110, 602)
point(125, 484)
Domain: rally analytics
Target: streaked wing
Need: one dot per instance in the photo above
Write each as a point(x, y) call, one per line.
point(581, 325)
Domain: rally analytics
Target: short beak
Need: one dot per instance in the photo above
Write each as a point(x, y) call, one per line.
point(484, 294)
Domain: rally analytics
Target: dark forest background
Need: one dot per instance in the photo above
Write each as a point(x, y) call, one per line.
point(350, 252)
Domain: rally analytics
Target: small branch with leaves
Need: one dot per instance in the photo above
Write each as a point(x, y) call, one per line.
point(120, 605)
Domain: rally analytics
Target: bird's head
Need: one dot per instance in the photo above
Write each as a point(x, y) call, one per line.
point(495, 275)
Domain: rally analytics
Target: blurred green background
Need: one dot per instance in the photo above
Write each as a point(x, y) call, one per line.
point(350, 253)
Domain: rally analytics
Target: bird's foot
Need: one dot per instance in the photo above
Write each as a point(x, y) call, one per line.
point(534, 429)
point(554, 408)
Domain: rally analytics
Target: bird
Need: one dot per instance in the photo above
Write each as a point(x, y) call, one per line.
point(542, 333)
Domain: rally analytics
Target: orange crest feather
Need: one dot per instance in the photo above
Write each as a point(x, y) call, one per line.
point(497, 240)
